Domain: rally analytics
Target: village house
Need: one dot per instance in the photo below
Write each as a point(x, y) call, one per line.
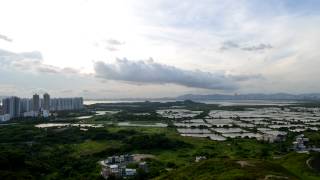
point(200, 158)
point(117, 166)
point(300, 144)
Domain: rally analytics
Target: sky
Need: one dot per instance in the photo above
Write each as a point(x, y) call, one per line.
point(159, 48)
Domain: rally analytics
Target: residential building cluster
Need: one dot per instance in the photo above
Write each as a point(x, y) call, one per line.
point(117, 166)
point(301, 145)
point(13, 107)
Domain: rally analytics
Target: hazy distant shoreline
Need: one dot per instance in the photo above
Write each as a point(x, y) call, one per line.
point(224, 99)
point(220, 102)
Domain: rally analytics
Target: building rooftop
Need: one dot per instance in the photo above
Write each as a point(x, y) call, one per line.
point(113, 166)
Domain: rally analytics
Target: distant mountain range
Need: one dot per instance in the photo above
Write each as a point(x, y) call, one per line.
point(277, 96)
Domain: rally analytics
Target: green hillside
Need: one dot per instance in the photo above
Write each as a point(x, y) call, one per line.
point(230, 169)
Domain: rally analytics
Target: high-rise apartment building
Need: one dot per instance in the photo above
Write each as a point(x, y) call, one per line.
point(36, 102)
point(15, 107)
point(6, 105)
point(11, 106)
point(46, 101)
point(26, 105)
point(61, 104)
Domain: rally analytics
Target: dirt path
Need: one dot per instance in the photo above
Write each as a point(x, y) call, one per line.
point(275, 177)
point(308, 162)
point(244, 163)
point(140, 157)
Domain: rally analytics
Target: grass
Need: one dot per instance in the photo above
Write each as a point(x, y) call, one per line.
point(314, 137)
point(296, 164)
point(91, 147)
point(228, 169)
point(293, 165)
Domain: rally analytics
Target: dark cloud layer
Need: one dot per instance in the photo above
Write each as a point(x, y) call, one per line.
point(151, 72)
point(245, 77)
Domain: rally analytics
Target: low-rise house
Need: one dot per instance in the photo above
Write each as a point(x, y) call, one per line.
point(130, 172)
point(300, 144)
point(200, 158)
point(117, 166)
point(114, 169)
point(143, 166)
point(5, 117)
point(122, 159)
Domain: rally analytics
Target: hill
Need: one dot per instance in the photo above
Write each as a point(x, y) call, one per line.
point(230, 169)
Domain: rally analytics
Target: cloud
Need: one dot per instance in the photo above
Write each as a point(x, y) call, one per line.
point(69, 70)
point(245, 77)
point(257, 47)
point(110, 48)
point(30, 62)
point(114, 42)
point(227, 45)
point(109, 44)
point(150, 72)
point(6, 38)
point(67, 91)
point(23, 61)
point(5, 88)
point(47, 69)
point(7, 57)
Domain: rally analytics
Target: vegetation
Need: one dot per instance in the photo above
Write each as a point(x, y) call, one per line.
point(27, 152)
point(229, 169)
